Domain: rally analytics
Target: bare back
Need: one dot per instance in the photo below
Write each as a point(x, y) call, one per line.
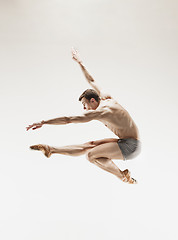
point(118, 120)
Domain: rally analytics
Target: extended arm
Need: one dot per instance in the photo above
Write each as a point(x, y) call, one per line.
point(89, 78)
point(86, 117)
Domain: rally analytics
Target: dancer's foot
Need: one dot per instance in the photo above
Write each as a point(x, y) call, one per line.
point(127, 178)
point(44, 148)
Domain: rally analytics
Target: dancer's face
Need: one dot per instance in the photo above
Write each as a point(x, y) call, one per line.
point(91, 104)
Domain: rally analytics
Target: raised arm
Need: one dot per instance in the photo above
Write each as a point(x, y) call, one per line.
point(86, 117)
point(89, 78)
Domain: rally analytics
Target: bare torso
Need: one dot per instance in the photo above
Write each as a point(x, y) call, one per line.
point(118, 120)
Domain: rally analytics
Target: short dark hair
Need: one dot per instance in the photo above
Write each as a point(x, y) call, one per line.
point(88, 94)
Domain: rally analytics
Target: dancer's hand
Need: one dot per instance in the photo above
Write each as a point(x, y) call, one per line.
point(75, 55)
point(35, 125)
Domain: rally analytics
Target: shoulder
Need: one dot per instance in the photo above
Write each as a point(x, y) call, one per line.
point(111, 106)
point(110, 102)
point(105, 96)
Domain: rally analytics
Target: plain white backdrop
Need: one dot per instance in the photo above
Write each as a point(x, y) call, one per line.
point(130, 48)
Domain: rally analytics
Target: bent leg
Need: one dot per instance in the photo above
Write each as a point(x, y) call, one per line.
point(109, 166)
point(101, 156)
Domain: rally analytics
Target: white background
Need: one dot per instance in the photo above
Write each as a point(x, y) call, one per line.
point(130, 48)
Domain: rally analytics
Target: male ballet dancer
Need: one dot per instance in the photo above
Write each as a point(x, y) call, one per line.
point(102, 107)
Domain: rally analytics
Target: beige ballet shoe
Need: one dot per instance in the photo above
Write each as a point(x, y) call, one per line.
point(127, 178)
point(44, 148)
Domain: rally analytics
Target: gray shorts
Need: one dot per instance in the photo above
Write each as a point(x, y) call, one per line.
point(130, 147)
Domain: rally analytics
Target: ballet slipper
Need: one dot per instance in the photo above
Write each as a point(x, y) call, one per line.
point(127, 178)
point(44, 148)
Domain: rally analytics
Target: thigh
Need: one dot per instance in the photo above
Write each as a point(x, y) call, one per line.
point(102, 141)
point(109, 150)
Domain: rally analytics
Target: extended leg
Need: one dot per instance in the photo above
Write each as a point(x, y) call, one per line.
point(77, 150)
point(72, 150)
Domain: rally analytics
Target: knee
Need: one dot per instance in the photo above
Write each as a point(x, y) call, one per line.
point(90, 157)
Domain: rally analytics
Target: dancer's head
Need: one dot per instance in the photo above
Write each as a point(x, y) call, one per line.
point(90, 99)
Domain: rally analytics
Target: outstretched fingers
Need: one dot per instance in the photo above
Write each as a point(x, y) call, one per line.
point(75, 55)
point(30, 126)
point(34, 126)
